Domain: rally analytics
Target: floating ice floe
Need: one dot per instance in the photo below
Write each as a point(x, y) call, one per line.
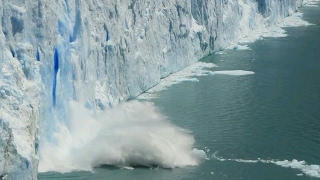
point(312, 3)
point(241, 47)
point(233, 72)
point(220, 52)
point(187, 75)
point(309, 170)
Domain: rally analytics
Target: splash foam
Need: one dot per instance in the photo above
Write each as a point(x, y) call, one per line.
point(133, 133)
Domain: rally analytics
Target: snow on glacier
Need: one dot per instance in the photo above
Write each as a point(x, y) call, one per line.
point(99, 54)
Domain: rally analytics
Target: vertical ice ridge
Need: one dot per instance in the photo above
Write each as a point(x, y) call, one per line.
point(19, 88)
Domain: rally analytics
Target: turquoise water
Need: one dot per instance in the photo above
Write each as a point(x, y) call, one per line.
point(273, 114)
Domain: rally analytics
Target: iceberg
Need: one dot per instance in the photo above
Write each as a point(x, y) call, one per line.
point(99, 54)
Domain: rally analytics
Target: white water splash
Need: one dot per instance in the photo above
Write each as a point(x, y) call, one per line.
point(133, 133)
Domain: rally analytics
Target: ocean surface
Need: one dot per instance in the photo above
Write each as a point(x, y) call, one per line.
point(248, 125)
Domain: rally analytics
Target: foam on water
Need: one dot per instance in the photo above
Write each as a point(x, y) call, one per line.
point(133, 133)
point(309, 170)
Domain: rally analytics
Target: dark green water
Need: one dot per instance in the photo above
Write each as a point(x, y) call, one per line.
point(273, 114)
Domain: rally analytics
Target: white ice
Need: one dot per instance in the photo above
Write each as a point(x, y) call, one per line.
point(313, 3)
point(309, 170)
point(197, 69)
point(105, 54)
point(188, 74)
point(233, 72)
point(273, 31)
point(241, 47)
point(221, 52)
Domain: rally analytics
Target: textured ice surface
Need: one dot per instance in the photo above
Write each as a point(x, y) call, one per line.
point(309, 170)
point(100, 53)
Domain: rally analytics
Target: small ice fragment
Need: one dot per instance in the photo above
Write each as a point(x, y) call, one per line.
point(128, 167)
point(220, 52)
point(199, 153)
point(188, 79)
point(241, 47)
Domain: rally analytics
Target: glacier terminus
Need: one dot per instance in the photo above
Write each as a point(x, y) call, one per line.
point(64, 63)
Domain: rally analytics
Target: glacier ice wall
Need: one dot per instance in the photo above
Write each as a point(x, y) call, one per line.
point(100, 53)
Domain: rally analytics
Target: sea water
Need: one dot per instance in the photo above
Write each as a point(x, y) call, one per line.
point(257, 116)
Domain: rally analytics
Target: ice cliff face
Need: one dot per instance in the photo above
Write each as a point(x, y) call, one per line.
point(100, 53)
